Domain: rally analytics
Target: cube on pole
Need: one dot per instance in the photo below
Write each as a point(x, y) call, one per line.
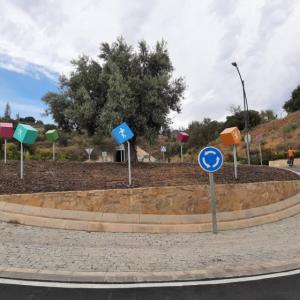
point(52, 136)
point(182, 137)
point(122, 134)
point(25, 134)
point(232, 137)
point(6, 132)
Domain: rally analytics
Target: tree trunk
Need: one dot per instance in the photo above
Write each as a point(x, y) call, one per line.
point(133, 152)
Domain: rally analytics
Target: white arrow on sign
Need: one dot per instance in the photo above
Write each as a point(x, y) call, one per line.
point(205, 163)
point(217, 162)
point(210, 152)
point(208, 165)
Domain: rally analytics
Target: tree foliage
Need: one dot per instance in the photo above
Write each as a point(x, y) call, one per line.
point(7, 112)
point(129, 85)
point(238, 119)
point(293, 104)
point(202, 133)
point(267, 115)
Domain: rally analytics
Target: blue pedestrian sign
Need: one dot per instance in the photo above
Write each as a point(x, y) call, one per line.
point(210, 159)
point(122, 133)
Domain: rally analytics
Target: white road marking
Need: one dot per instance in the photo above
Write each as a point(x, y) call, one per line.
point(146, 285)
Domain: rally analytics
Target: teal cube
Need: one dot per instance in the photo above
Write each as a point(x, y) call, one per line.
point(25, 134)
point(51, 135)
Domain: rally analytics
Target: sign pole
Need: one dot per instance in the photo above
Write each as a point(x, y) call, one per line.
point(213, 200)
point(235, 161)
point(129, 163)
point(53, 151)
point(5, 145)
point(260, 154)
point(22, 166)
point(210, 160)
point(181, 152)
point(163, 156)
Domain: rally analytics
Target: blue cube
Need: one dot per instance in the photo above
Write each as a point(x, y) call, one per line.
point(122, 133)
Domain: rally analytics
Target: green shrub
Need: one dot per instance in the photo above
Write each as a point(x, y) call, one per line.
point(283, 147)
point(13, 152)
point(42, 154)
point(27, 155)
point(289, 128)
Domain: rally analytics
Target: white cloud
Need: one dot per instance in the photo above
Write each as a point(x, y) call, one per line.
point(204, 37)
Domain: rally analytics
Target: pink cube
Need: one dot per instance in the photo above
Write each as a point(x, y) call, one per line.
point(6, 130)
point(182, 137)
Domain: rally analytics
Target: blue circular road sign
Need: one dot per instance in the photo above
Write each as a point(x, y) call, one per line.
point(210, 159)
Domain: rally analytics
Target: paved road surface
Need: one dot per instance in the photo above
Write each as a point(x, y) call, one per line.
point(286, 288)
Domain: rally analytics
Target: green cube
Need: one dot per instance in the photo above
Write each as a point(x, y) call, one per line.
point(51, 135)
point(25, 134)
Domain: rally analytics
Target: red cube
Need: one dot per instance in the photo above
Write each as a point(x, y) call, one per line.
point(182, 137)
point(6, 130)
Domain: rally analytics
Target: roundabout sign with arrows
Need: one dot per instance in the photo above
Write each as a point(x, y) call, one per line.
point(210, 159)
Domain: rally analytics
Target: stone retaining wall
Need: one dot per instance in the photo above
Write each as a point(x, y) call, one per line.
point(175, 200)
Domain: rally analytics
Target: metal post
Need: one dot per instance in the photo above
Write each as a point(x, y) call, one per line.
point(213, 200)
point(5, 145)
point(181, 155)
point(246, 111)
point(163, 156)
point(235, 161)
point(129, 164)
point(53, 151)
point(260, 154)
point(22, 166)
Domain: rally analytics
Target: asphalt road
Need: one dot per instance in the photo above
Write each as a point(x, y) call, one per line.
point(280, 288)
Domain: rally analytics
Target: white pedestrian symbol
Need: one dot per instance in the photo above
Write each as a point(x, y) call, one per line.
point(20, 132)
point(122, 132)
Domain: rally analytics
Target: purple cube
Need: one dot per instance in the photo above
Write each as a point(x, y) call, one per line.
point(182, 137)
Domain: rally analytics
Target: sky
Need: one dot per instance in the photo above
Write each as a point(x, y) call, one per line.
point(38, 38)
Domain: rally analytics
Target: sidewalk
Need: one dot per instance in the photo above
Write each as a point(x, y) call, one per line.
point(49, 254)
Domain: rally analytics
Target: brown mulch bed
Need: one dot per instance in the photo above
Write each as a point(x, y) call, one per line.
point(66, 176)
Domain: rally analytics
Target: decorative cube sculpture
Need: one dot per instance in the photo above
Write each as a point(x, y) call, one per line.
point(51, 135)
point(230, 136)
point(182, 137)
point(25, 134)
point(6, 130)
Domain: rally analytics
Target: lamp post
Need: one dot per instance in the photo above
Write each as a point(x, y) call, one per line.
point(246, 113)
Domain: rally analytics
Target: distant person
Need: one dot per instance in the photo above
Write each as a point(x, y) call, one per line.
point(291, 157)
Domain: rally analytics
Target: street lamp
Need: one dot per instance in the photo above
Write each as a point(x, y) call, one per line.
point(246, 112)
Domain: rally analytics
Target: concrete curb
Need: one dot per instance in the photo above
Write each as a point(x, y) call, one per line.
point(138, 277)
point(108, 222)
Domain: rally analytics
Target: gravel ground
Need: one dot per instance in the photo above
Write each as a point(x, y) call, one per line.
point(65, 176)
point(50, 249)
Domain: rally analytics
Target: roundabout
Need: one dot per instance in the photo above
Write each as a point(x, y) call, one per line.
point(165, 198)
point(108, 238)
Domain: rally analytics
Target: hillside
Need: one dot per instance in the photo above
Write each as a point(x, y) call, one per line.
point(278, 135)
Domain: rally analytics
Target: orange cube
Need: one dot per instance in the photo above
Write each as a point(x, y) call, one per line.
point(230, 136)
